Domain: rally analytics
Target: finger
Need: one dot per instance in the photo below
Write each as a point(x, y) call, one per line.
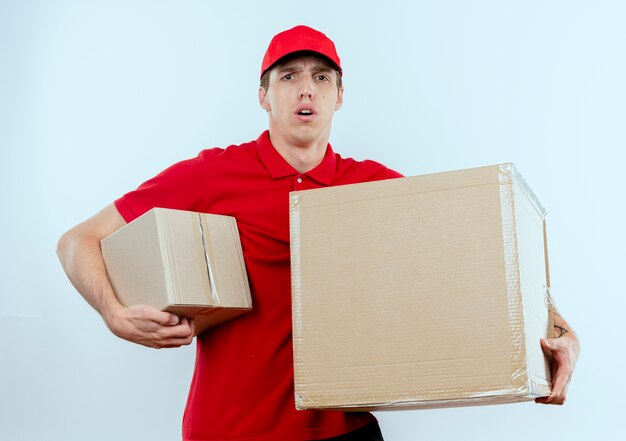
point(183, 330)
point(559, 387)
point(192, 326)
point(560, 374)
point(175, 342)
point(161, 317)
point(550, 345)
point(165, 338)
point(187, 324)
point(552, 399)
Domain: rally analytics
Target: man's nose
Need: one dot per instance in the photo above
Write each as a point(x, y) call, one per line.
point(306, 88)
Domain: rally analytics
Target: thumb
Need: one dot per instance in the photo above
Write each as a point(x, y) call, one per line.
point(166, 318)
point(549, 344)
point(172, 320)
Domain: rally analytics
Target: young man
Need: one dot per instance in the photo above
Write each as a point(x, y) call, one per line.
point(242, 387)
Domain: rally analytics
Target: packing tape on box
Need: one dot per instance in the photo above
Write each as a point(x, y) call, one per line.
point(548, 297)
point(205, 246)
point(294, 226)
point(506, 177)
point(381, 402)
point(550, 305)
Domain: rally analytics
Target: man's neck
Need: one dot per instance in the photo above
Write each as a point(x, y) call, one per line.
point(303, 157)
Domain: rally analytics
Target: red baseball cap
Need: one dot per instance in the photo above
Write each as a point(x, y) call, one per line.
point(300, 39)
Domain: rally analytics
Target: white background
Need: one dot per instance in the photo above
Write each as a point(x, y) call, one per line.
point(96, 97)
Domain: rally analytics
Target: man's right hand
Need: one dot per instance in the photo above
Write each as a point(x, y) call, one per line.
point(150, 327)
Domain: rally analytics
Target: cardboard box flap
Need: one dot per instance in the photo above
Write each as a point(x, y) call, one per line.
point(222, 252)
point(383, 190)
point(131, 267)
point(184, 262)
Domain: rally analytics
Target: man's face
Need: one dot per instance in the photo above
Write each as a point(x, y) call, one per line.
point(301, 99)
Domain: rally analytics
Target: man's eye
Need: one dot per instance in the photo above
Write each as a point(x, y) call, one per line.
point(322, 78)
point(288, 77)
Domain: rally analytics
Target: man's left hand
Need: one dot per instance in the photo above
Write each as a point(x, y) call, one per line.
point(563, 353)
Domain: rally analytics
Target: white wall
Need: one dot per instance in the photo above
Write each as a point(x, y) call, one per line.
point(96, 97)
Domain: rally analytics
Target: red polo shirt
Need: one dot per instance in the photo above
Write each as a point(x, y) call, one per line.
point(242, 386)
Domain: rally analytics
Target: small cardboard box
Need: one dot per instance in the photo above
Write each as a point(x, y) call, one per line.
point(428, 291)
point(190, 264)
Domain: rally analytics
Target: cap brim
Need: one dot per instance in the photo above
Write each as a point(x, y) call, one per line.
point(302, 53)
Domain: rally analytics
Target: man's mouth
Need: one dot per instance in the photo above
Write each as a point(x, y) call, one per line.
point(305, 112)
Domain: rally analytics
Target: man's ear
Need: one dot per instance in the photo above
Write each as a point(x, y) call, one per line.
point(262, 99)
point(339, 99)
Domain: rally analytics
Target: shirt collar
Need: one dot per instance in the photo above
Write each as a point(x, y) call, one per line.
point(278, 167)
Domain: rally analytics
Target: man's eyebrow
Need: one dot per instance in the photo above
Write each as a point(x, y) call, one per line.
point(289, 68)
point(321, 67)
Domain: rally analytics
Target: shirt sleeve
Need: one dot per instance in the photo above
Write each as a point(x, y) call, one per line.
point(392, 174)
point(374, 171)
point(180, 187)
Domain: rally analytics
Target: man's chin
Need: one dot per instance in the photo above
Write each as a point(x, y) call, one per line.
point(302, 136)
point(306, 136)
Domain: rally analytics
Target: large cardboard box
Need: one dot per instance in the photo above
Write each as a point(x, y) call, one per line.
point(187, 263)
point(428, 291)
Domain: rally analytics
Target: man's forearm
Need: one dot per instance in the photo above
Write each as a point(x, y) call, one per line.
point(561, 327)
point(82, 261)
point(81, 257)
